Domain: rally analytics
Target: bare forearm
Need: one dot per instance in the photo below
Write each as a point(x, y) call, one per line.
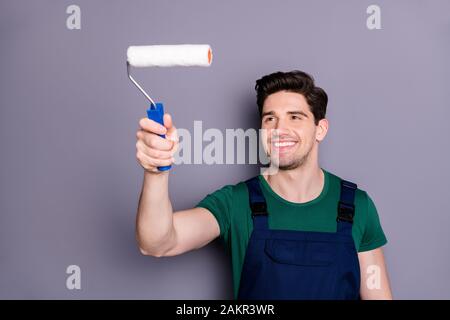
point(154, 223)
point(374, 276)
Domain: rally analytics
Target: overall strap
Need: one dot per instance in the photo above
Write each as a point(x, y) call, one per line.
point(257, 204)
point(346, 206)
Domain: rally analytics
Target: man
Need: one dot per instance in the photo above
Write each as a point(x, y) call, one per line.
point(298, 233)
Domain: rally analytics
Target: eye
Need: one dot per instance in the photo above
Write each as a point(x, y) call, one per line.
point(267, 119)
point(296, 117)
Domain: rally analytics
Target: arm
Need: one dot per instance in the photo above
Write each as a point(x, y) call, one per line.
point(159, 231)
point(374, 277)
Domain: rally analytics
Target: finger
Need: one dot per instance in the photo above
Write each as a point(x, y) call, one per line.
point(174, 148)
point(148, 162)
point(167, 120)
point(171, 130)
point(150, 125)
point(153, 153)
point(172, 134)
point(154, 141)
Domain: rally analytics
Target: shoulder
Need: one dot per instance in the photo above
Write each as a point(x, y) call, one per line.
point(362, 199)
point(228, 193)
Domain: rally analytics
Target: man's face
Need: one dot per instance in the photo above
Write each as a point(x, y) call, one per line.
point(290, 129)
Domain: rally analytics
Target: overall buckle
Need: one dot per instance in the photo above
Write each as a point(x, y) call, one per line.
point(345, 212)
point(258, 209)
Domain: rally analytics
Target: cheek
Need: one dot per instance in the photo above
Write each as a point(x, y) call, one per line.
point(267, 125)
point(268, 132)
point(312, 136)
point(264, 138)
point(307, 134)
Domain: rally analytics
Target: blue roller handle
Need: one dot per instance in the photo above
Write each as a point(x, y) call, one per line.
point(156, 113)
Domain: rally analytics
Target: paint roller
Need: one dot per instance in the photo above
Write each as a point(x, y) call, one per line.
point(184, 55)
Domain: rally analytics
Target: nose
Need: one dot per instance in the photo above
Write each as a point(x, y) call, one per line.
point(279, 130)
point(281, 124)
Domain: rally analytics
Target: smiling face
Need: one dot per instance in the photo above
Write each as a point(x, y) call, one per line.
point(291, 135)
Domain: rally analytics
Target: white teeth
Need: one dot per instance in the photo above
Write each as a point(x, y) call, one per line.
point(284, 144)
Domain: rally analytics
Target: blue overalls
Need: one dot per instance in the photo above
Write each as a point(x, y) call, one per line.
point(286, 264)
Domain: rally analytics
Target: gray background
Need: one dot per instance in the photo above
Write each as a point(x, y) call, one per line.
point(69, 180)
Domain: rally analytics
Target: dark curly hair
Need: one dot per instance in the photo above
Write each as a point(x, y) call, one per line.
point(293, 81)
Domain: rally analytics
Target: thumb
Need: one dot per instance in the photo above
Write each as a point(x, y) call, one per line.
point(171, 130)
point(167, 119)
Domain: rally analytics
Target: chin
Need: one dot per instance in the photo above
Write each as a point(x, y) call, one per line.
point(286, 165)
point(289, 164)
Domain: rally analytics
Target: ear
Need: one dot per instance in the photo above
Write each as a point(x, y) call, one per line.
point(321, 129)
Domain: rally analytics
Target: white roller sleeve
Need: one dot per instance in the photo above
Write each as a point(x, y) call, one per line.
point(170, 55)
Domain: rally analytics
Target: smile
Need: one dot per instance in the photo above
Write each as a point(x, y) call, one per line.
point(284, 144)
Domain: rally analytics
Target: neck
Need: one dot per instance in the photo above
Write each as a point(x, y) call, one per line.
point(302, 184)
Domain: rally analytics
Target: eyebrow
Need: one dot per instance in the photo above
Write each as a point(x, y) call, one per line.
point(289, 112)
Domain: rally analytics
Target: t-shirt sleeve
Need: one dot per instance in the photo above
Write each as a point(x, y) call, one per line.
point(219, 203)
point(373, 236)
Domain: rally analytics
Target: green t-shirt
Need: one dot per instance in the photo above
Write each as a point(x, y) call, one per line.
point(230, 206)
